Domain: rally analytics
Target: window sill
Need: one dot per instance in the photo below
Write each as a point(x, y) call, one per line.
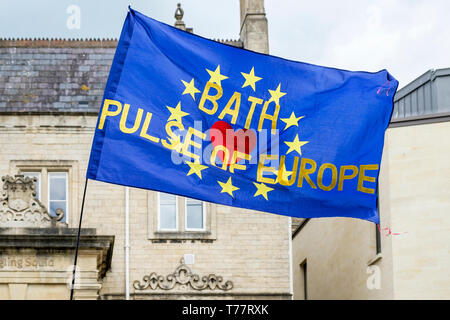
point(182, 235)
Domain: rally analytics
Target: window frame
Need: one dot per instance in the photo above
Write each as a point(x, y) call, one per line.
point(209, 232)
point(159, 214)
point(66, 175)
point(46, 166)
point(304, 275)
point(203, 228)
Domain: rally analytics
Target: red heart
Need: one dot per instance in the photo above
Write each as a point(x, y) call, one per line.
point(243, 140)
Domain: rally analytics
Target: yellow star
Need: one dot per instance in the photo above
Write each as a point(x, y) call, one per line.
point(216, 77)
point(276, 94)
point(285, 174)
point(291, 121)
point(176, 113)
point(250, 79)
point(295, 145)
point(262, 190)
point(195, 168)
point(190, 88)
point(228, 187)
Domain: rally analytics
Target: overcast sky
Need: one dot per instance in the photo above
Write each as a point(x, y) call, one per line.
point(407, 37)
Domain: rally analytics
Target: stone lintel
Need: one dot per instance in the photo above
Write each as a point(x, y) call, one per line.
point(59, 239)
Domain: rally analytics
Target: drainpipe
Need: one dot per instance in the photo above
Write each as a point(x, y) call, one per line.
point(291, 280)
point(127, 243)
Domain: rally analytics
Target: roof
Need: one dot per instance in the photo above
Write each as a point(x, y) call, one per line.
point(56, 75)
point(427, 95)
point(231, 42)
point(69, 75)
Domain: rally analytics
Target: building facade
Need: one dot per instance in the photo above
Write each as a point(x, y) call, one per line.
point(408, 256)
point(50, 93)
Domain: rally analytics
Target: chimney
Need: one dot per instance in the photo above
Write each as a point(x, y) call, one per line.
point(254, 29)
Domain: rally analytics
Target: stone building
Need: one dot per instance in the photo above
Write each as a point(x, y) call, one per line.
point(50, 93)
point(408, 257)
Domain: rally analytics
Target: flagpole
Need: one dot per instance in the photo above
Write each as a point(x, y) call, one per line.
point(78, 240)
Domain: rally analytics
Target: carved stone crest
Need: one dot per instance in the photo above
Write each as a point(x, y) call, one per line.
point(20, 208)
point(182, 276)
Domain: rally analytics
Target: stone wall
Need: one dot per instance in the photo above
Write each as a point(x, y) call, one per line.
point(49, 103)
point(37, 263)
point(251, 248)
point(419, 201)
point(414, 206)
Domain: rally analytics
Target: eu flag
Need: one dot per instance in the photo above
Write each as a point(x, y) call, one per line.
point(189, 116)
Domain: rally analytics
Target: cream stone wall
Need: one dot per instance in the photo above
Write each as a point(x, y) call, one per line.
point(337, 251)
point(414, 204)
point(420, 205)
point(251, 248)
point(26, 274)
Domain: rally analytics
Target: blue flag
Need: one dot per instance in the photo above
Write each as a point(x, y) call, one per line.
point(189, 116)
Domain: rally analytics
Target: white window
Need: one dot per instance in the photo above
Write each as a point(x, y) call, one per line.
point(53, 185)
point(36, 175)
point(57, 193)
point(180, 214)
point(195, 215)
point(168, 212)
point(179, 218)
